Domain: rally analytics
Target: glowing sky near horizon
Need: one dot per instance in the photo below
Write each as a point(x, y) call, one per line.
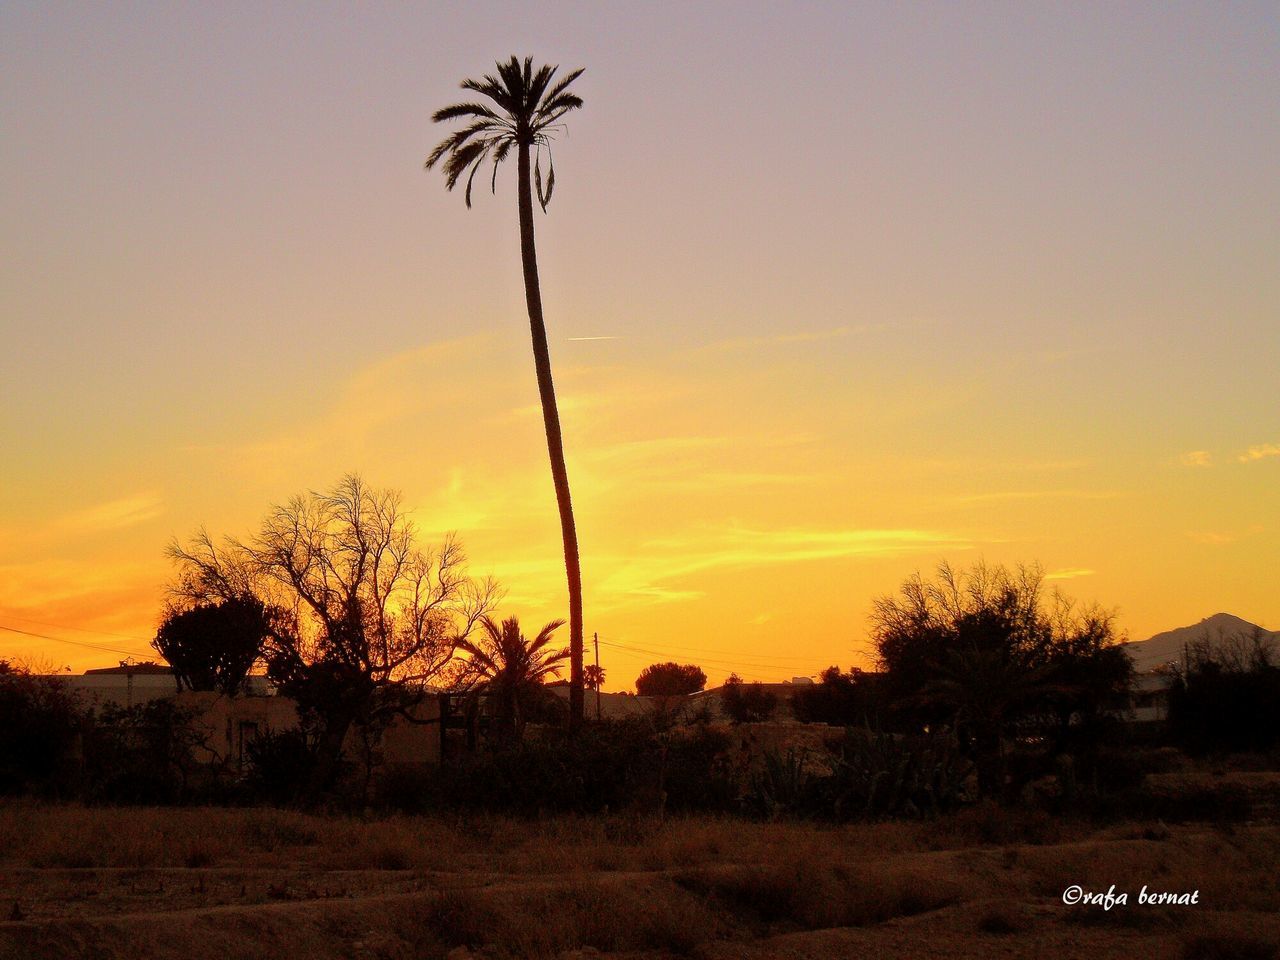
point(834, 292)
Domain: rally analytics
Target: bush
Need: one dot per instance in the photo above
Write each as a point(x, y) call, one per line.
point(40, 733)
point(280, 765)
point(141, 754)
point(866, 775)
point(879, 774)
point(612, 765)
point(1221, 705)
point(747, 703)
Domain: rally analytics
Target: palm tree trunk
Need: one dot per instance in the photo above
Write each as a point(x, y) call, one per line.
point(555, 446)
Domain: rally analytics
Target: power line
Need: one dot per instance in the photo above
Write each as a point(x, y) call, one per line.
point(64, 626)
point(762, 659)
point(77, 643)
point(710, 660)
point(772, 660)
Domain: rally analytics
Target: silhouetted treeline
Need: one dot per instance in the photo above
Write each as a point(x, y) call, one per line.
point(1225, 696)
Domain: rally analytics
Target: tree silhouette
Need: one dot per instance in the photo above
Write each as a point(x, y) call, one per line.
point(593, 676)
point(527, 107)
point(212, 646)
point(511, 669)
point(747, 702)
point(985, 651)
point(360, 615)
point(670, 680)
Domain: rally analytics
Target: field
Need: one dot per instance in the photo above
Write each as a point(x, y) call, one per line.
point(204, 882)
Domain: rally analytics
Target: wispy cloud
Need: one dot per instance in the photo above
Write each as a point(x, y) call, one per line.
point(642, 575)
point(1196, 458)
point(113, 514)
point(1070, 573)
point(1259, 451)
point(585, 339)
point(1001, 495)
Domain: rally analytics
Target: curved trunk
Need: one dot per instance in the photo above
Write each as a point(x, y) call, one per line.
point(555, 446)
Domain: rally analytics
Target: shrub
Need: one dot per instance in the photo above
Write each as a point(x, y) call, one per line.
point(783, 786)
point(42, 725)
point(747, 703)
point(879, 774)
point(637, 762)
point(140, 754)
point(280, 764)
point(866, 775)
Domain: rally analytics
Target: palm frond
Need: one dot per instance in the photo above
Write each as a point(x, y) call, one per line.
point(463, 110)
point(457, 139)
point(471, 178)
point(538, 84)
point(528, 104)
point(459, 160)
point(559, 88)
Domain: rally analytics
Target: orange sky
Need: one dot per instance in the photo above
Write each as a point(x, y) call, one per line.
point(832, 297)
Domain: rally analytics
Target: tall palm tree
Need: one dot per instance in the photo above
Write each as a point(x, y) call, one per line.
point(511, 668)
point(524, 112)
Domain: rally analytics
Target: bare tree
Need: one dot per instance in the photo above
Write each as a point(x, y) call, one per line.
point(360, 616)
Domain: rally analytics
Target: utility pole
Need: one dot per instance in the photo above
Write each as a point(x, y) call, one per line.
point(596, 638)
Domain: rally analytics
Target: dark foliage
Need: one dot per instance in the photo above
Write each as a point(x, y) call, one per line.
point(1226, 697)
point(840, 699)
point(747, 702)
point(867, 775)
point(279, 766)
point(142, 754)
point(670, 680)
point(988, 654)
point(510, 670)
point(614, 765)
point(212, 646)
point(40, 728)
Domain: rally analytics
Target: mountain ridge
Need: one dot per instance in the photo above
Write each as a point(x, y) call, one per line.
point(1168, 645)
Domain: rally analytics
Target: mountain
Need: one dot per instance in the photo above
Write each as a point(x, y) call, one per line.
point(1168, 646)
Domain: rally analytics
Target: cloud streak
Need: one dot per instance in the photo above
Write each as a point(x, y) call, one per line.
point(113, 514)
point(670, 559)
point(1260, 451)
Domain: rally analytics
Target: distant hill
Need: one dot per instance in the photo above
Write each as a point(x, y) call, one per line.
point(1168, 646)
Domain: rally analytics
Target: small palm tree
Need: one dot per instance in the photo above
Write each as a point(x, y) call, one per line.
point(511, 669)
point(524, 111)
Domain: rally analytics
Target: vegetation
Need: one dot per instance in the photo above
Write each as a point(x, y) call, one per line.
point(670, 680)
point(213, 646)
point(358, 615)
point(747, 702)
point(852, 699)
point(987, 653)
point(526, 107)
point(42, 724)
point(510, 670)
point(1225, 696)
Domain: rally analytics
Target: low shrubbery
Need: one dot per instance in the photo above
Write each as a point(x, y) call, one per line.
point(608, 766)
point(865, 775)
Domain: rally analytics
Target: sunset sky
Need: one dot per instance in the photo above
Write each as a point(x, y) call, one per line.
point(834, 292)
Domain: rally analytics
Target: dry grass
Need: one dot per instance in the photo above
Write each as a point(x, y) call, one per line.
point(247, 882)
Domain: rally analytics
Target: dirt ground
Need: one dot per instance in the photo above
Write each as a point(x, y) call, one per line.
point(206, 883)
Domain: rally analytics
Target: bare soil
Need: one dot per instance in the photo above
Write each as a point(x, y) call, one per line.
point(206, 883)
